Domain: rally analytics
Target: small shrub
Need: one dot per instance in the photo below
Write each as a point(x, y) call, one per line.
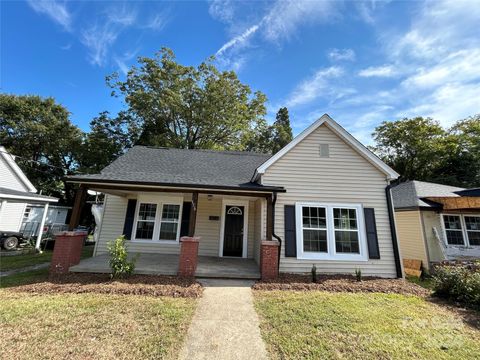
point(314, 273)
point(358, 274)
point(459, 283)
point(119, 263)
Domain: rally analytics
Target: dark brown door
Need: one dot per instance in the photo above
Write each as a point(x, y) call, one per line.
point(233, 238)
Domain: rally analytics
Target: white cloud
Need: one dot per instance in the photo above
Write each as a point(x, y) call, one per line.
point(122, 60)
point(238, 40)
point(378, 71)
point(315, 87)
point(341, 54)
point(157, 22)
point(55, 10)
point(222, 10)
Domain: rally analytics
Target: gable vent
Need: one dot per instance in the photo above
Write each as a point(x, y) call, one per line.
point(324, 150)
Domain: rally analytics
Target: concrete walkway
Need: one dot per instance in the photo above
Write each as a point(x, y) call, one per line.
point(25, 269)
point(225, 324)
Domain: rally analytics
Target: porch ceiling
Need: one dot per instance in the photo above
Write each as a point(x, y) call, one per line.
point(457, 203)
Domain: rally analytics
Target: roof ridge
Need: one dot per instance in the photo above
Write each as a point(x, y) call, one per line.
point(232, 152)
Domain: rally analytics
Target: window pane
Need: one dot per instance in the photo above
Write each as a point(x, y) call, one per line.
point(315, 240)
point(345, 218)
point(474, 238)
point(170, 212)
point(347, 242)
point(472, 222)
point(314, 217)
point(144, 230)
point(168, 231)
point(454, 237)
point(147, 212)
point(452, 222)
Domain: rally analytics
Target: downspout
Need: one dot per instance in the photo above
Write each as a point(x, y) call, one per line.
point(393, 230)
point(274, 200)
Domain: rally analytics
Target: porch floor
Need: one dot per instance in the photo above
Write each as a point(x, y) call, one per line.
point(167, 264)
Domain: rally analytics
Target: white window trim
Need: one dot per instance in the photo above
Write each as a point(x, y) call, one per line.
point(159, 201)
point(232, 202)
point(466, 240)
point(332, 253)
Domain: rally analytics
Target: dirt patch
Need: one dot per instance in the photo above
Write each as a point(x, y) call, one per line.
point(149, 285)
point(342, 283)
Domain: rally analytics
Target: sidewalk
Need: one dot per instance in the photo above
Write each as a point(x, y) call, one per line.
point(225, 324)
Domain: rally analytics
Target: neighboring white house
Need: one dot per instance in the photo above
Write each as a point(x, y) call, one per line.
point(16, 191)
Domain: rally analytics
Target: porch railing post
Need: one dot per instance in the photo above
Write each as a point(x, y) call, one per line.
point(193, 215)
point(269, 219)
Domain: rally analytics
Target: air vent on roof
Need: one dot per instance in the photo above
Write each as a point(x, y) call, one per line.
point(324, 151)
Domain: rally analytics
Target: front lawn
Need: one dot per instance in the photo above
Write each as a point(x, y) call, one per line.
point(92, 326)
point(317, 324)
point(13, 262)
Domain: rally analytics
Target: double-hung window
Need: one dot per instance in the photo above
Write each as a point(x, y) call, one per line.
point(158, 219)
point(462, 230)
point(330, 231)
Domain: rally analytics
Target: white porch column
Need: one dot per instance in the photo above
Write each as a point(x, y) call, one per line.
point(3, 204)
point(40, 230)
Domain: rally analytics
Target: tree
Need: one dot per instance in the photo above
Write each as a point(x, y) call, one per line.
point(282, 131)
point(413, 147)
point(39, 131)
point(108, 139)
point(189, 107)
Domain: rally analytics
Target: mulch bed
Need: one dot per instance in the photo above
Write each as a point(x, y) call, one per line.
point(342, 283)
point(149, 285)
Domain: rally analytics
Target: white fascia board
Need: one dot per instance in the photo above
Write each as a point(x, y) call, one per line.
point(343, 134)
point(16, 169)
point(28, 198)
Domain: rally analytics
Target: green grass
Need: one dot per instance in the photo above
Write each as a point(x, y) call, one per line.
point(311, 325)
point(427, 282)
point(92, 326)
point(13, 262)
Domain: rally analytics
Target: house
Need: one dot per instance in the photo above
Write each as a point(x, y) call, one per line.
point(16, 191)
point(437, 222)
point(323, 199)
point(55, 220)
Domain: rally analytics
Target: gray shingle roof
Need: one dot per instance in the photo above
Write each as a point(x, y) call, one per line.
point(410, 194)
point(202, 168)
point(18, 193)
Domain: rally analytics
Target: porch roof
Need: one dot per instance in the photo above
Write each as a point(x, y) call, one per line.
point(24, 196)
point(184, 168)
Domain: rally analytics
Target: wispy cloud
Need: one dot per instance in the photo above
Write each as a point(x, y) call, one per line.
point(158, 21)
point(341, 54)
point(122, 60)
point(55, 10)
point(222, 10)
point(377, 71)
point(100, 37)
point(238, 40)
point(314, 87)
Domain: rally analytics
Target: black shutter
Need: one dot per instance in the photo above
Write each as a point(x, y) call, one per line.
point(290, 232)
point(129, 217)
point(185, 218)
point(371, 229)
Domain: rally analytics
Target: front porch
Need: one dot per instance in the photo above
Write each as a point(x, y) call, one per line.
point(167, 264)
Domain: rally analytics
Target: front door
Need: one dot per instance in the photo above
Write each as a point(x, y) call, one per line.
point(233, 238)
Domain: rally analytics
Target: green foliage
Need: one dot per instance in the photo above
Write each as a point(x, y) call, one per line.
point(420, 149)
point(282, 131)
point(39, 130)
point(358, 274)
point(188, 107)
point(119, 263)
point(458, 283)
point(314, 273)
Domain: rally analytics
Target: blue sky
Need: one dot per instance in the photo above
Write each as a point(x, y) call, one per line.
point(360, 61)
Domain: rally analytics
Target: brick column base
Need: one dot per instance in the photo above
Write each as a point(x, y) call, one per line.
point(67, 251)
point(187, 264)
point(269, 260)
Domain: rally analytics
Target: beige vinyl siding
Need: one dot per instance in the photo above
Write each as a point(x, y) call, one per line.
point(8, 179)
point(410, 236)
point(208, 230)
point(344, 177)
point(12, 216)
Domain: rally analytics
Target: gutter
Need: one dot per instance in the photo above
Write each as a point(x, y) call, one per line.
point(393, 230)
point(274, 200)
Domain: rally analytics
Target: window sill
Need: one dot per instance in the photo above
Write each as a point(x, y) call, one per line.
point(156, 242)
